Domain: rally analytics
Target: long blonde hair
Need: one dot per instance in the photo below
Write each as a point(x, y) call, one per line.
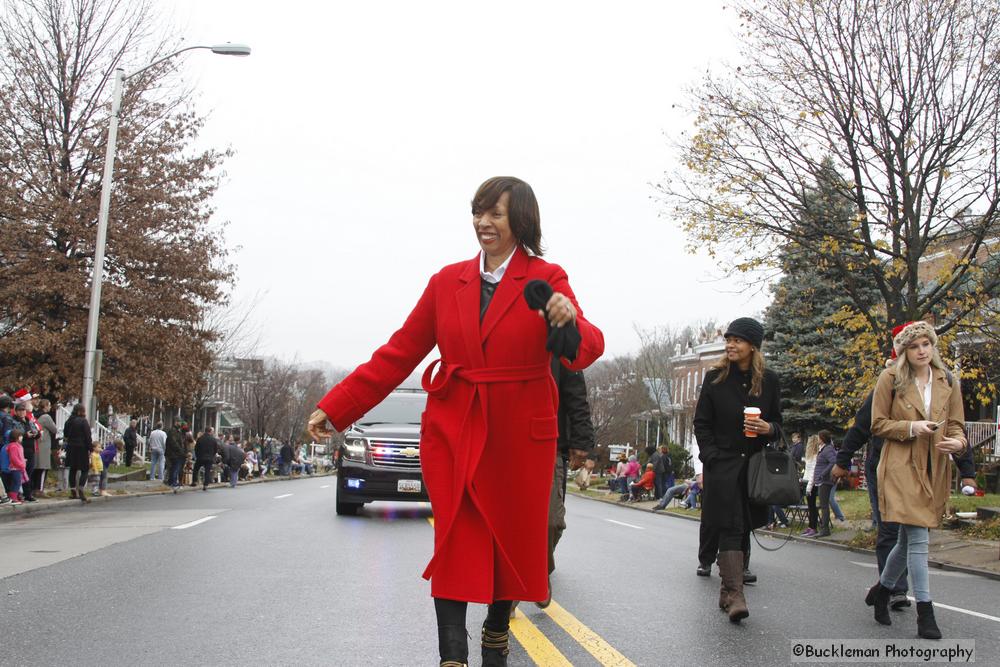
point(756, 366)
point(812, 446)
point(904, 372)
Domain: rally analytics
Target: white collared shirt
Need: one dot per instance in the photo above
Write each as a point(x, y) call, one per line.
point(927, 392)
point(498, 274)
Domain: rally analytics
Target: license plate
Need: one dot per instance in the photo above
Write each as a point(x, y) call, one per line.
point(408, 486)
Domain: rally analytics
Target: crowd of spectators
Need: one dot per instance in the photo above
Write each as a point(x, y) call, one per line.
point(34, 455)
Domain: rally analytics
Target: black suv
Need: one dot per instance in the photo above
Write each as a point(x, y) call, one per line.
point(380, 457)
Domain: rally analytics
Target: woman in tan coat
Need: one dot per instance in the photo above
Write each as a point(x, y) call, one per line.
point(917, 409)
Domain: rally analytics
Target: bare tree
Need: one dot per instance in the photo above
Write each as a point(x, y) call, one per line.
point(616, 394)
point(903, 98)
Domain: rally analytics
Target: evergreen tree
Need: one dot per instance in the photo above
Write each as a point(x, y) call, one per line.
point(807, 344)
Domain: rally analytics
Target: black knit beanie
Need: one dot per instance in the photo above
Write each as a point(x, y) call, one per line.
point(748, 329)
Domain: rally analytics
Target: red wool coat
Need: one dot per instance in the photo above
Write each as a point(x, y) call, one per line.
point(488, 436)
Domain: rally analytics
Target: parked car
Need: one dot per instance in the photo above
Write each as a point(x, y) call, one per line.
point(380, 457)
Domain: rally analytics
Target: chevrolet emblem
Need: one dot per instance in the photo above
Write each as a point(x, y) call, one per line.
point(410, 452)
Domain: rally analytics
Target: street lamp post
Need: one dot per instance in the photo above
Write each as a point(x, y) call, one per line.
point(90, 351)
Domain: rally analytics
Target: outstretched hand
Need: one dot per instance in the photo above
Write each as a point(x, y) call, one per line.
point(319, 426)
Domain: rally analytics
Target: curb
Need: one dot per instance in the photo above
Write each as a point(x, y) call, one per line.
point(8, 513)
point(936, 564)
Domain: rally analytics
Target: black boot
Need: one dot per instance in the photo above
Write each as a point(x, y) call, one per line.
point(881, 604)
point(926, 625)
point(453, 645)
point(495, 648)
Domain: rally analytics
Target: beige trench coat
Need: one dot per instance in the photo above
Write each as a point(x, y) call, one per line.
point(914, 478)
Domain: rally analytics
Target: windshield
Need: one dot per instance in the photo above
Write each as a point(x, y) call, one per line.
point(397, 408)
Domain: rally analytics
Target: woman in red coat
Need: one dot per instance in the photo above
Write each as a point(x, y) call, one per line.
point(491, 414)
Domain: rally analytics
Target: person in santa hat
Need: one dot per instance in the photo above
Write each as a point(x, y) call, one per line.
point(917, 409)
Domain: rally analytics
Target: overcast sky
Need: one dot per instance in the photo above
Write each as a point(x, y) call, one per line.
point(362, 129)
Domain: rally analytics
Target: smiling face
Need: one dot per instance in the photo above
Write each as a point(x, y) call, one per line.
point(919, 353)
point(493, 231)
point(738, 351)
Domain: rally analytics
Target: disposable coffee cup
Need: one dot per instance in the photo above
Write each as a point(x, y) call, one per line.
point(751, 413)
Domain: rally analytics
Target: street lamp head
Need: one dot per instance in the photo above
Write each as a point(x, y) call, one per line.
point(228, 49)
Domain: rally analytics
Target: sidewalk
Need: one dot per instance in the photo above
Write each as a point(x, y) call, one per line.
point(125, 489)
point(948, 550)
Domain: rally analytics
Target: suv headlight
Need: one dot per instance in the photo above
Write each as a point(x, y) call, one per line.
point(355, 449)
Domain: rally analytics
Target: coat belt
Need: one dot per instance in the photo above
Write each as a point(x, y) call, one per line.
point(438, 385)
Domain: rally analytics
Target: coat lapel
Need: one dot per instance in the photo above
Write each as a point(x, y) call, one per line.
point(508, 292)
point(467, 299)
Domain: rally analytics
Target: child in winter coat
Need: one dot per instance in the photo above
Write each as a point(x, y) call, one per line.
point(96, 467)
point(16, 465)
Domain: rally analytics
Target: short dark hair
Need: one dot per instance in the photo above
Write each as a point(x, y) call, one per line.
point(79, 410)
point(525, 220)
point(825, 436)
point(16, 434)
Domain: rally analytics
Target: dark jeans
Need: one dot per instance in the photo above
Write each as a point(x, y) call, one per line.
point(824, 506)
point(129, 453)
point(775, 511)
point(27, 491)
point(201, 463)
point(174, 468)
point(888, 532)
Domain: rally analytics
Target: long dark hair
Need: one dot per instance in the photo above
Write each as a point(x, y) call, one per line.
point(756, 366)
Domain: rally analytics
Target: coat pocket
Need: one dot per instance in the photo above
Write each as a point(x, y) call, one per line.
point(544, 428)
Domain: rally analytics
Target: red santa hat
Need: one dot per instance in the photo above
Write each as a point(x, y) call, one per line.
point(22, 396)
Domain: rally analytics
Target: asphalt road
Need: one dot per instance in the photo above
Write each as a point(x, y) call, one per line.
point(276, 578)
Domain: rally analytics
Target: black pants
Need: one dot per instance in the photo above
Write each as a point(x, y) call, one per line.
point(129, 453)
point(38, 479)
point(201, 463)
point(811, 501)
point(709, 546)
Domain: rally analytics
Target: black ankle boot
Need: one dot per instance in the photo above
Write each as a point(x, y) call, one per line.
point(495, 647)
point(881, 604)
point(453, 645)
point(926, 625)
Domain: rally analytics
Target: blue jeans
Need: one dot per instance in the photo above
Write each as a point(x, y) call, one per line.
point(888, 532)
point(233, 476)
point(692, 499)
point(834, 507)
point(910, 553)
point(156, 464)
point(671, 493)
point(775, 511)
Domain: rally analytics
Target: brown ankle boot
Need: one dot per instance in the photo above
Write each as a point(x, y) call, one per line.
point(731, 567)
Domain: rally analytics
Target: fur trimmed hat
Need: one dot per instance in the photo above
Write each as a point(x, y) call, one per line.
point(905, 334)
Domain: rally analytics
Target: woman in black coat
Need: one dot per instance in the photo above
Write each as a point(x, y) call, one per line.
point(78, 437)
point(737, 381)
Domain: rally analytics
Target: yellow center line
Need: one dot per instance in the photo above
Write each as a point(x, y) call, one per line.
point(604, 652)
point(538, 646)
point(544, 652)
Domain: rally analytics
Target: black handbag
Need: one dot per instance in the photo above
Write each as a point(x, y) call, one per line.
point(772, 478)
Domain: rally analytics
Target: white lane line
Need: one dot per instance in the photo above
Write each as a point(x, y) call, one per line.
point(938, 605)
point(193, 523)
point(283, 495)
point(325, 486)
point(622, 523)
point(932, 570)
